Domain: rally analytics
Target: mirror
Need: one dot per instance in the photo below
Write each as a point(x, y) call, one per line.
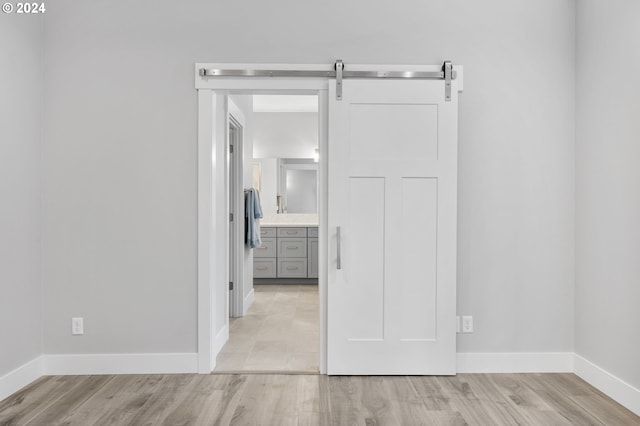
point(289, 185)
point(301, 190)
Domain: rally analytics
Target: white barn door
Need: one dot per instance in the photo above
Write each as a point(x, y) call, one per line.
point(392, 228)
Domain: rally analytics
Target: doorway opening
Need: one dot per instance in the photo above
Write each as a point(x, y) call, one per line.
point(274, 304)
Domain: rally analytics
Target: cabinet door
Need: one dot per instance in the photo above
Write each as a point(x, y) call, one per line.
point(266, 249)
point(292, 268)
point(312, 257)
point(264, 268)
point(292, 247)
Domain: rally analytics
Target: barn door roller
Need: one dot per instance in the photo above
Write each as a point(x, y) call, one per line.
point(339, 73)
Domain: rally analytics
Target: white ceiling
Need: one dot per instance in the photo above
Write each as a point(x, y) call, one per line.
point(285, 103)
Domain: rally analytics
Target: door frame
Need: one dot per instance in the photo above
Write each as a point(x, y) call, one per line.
point(212, 222)
point(238, 121)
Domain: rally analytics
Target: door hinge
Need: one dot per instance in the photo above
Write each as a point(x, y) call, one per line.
point(230, 149)
point(230, 217)
point(230, 285)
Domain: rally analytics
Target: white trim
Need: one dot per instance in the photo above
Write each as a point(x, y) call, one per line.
point(323, 209)
point(206, 110)
point(84, 364)
point(235, 179)
point(220, 340)
point(20, 377)
point(614, 387)
point(248, 301)
point(516, 362)
point(212, 261)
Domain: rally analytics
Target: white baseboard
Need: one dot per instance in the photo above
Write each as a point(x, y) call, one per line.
point(607, 383)
point(517, 362)
point(220, 339)
point(16, 379)
point(144, 363)
point(248, 301)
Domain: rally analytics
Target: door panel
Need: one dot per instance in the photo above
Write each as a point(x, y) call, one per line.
point(417, 251)
point(377, 129)
point(392, 192)
point(365, 286)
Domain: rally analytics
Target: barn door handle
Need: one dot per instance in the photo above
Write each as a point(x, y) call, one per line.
point(338, 254)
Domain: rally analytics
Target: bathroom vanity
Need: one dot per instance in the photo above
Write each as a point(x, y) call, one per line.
point(289, 247)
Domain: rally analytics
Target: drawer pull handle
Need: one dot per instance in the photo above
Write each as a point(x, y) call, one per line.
point(262, 268)
point(292, 268)
point(262, 248)
point(292, 248)
point(291, 232)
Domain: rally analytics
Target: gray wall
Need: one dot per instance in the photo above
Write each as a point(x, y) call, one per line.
point(285, 134)
point(20, 163)
point(608, 186)
point(120, 173)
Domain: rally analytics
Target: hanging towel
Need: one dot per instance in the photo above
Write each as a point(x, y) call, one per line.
point(253, 212)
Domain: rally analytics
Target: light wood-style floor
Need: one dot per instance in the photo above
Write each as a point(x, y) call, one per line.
point(281, 400)
point(278, 333)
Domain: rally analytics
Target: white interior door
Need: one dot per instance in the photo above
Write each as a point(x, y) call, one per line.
point(393, 195)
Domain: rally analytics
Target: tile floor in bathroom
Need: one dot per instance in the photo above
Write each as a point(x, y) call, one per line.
point(278, 333)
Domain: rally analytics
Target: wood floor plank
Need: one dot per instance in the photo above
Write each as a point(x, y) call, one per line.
point(532, 408)
point(159, 404)
point(348, 411)
point(28, 401)
point(305, 400)
point(219, 406)
point(377, 401)
point(418, 402)
point(270, 399)
point(80, 389)
point(560, 399)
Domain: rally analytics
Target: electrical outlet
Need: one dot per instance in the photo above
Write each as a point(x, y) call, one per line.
point(458, 326)
point(467, 324)
point(77, 326)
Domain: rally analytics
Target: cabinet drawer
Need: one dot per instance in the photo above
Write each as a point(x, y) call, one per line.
point(292, 268)
point(292, 247)
point(267, 232)
point(264, 268)
point(292, 232)
point(312, 232)
point(267, 249)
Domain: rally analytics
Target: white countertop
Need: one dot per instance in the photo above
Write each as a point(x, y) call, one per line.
point(290, 219)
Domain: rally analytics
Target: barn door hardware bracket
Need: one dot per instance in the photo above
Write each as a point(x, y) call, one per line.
point(447, 68)
point(339, 66)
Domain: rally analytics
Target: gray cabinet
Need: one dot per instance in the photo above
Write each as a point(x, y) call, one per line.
point(287, 252)
point(264, 267)
point(292, 268)
point(264, 257)
point(266, 249)
point(312, 251)
point(292, 247)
